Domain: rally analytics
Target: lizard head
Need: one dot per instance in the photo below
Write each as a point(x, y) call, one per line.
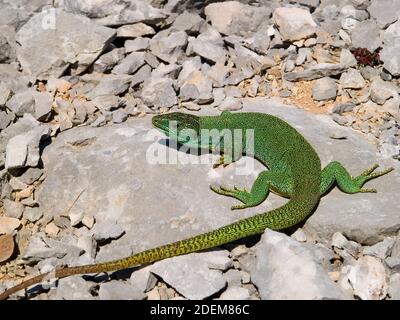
point(182, 127)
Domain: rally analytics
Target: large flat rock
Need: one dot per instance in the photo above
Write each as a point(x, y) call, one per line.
point(109, 173)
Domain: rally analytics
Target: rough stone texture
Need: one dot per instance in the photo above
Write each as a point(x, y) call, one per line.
point(380, 250)
point(382, 90)
point(130, 63)
point(40, 248)
point(384, 11)
point(369, 279)
point(72, 288)
point(394, 288)
point(235, 18)
point(197, 87)
point(189, 22)
point(134, 30)
point(13, 209)
point(115, 290)
point(127, 194)
point(294, 23)
point(137, 44)
point(389, 56)
point(62, 38)
point(352, 79)
point(23, 150)
point(111, 85)
point(107, 13)
point(315, 72)
point(168, 46)
point(190, 276)
point(340, 241)
point(324, 89)
point(33, 214)
point(207, 49)
point(5, 119)
point(366, 34)
point(302, 278)
point(143, 279)
point(235, 293)
point(108, 60)
point(159, 92)
point(39, 104)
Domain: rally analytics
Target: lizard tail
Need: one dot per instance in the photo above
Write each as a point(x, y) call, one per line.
point(290, 214)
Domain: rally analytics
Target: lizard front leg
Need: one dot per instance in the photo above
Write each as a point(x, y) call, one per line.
point(266, 181)
point(335, 171)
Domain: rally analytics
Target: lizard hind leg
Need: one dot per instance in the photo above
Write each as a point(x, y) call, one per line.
point(265, 182)
point(335, 171)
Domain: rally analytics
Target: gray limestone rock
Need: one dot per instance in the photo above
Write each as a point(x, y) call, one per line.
point(385, 12)
point(235, 18)
point(138, 44)
point(111, 84)
point(66, 38)
point(72, 288)
point(207, 49)
point(108, 60)
point(190, 276)
point(189, 22)
point(41, 247)
point(119, 116)
point(134, 30)
point(143, 279)
point(130, 64)
point(24, 150)
point(352, 79)
point(235, 293)
point(197, 87)
point(366, 34)
point(13, 209)
point(389, 54)
point(159, 92)
point(369, 278)
point(340, 241)
point(5, 93)
point(294, 23)
point(324, 89)
point(382, 90)
point(230, 104)
point(394, 287)
point(302, 278)
point(380, 250)
point(116, 290)
point(317, 71)
point(33, 214)
point(168, 45)
point(6, 119)
point(22, 102)
point(110, 13)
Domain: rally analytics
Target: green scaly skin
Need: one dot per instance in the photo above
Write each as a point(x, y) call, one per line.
point(294, 172)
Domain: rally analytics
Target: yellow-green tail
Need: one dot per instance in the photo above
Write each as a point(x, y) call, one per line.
point(283, 217)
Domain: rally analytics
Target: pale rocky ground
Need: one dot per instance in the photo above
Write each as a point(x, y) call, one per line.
point(80, 180)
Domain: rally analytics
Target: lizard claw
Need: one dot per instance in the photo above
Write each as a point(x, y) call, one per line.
point(368, 190)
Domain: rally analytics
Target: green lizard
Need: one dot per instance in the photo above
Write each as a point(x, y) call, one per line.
point(294, 171)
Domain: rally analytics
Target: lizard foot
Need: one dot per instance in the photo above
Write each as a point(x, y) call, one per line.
point(239, 194)
point(220, 162)
point(368, 175)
